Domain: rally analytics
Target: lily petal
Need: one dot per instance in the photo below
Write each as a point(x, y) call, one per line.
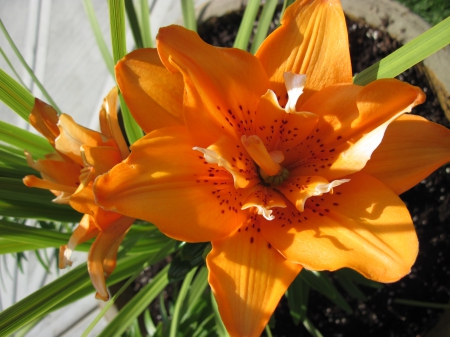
point(109, 122)
point(354, 120)
point(248, 278)
point(363, 225)
point(166, 182)
point(73, 136)
point(223, 86)
point(153, 94)
point(103, 253)
point(85, 230)
point(44, 119)
point(312, 40)
point(409, 140)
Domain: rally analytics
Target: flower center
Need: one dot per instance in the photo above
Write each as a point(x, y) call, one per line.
point(269, 168)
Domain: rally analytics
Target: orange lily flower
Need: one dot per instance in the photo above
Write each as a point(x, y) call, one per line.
point(279, 162)
point(81, 155)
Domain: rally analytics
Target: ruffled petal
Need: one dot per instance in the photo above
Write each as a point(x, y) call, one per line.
point(281, 131)
point(83, 201)
point(223, 86)
point(44, 118)
point(153, 94)
point(166, 182)
point(363, 225)
point(312, 40)
point(85, 230)
point(352, 124)
point(103, 253)
point(109, 122)
point(101, 158)
point(248, 278)
point(412, 148)
point(73, 136)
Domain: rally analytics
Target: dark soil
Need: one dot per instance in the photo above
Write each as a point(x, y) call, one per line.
point(428, 203)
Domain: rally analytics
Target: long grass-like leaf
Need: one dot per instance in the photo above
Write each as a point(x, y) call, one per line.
point(145, 24)
point(221, 330)
point(27, 67)
point(152, 259)
point(107, 58)
point(136, 305)
point(134, 24)
point(12, 67)
point(264, 22)
point(24, 140)
point(246, 27)
point(188, 9)
point(407, 56)
point(119, 47)
point(19, 201)
point(176, 317)
point(15, 96)
point(35, 237)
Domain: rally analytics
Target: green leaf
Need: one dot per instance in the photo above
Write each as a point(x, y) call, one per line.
point(12, 67)
point(107, 58)
point(197, 289)
point(153, 258)
point(145, 24)
point(19, 201)
point(176, 317)
point(297, 296)
point(422, 304)
point(221, 330)
point(132, 129)
point(25, 140)
point(134, 24)
point(264, 22)
point(321, 282)
point(136, 305)
point(188, 9)
point(246, 27)
point(38, 303)
point(34, 236)
point(407, 56)
point(15, 96)
point(25, 65)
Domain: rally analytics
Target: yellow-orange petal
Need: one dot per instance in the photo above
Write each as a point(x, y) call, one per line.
point(109, 122)
point(101, 158)
point(166, 182)
point(85, 230)
point(353, 122)
point(103, 253)
point(73, 136)
point(363, 225)
point(312, 40)
point(153, 94)
point(222, 85)
point(412, 148)
point(44, 118)
point(280, 130)
point(56, 170)
point(83, 201)
point(248, 278)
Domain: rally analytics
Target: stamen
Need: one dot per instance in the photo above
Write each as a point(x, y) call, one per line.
point(256, 149)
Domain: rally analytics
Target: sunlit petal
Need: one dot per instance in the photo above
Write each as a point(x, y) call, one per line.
point(248, 278)
point(312, 40)
point(166, 182)
point(408, 141)
point(363, 225)
point(153, 94)
point(223, 86)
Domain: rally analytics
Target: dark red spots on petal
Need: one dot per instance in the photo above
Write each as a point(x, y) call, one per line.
point(335, 204)
point(251, 239)
point(269, 245)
